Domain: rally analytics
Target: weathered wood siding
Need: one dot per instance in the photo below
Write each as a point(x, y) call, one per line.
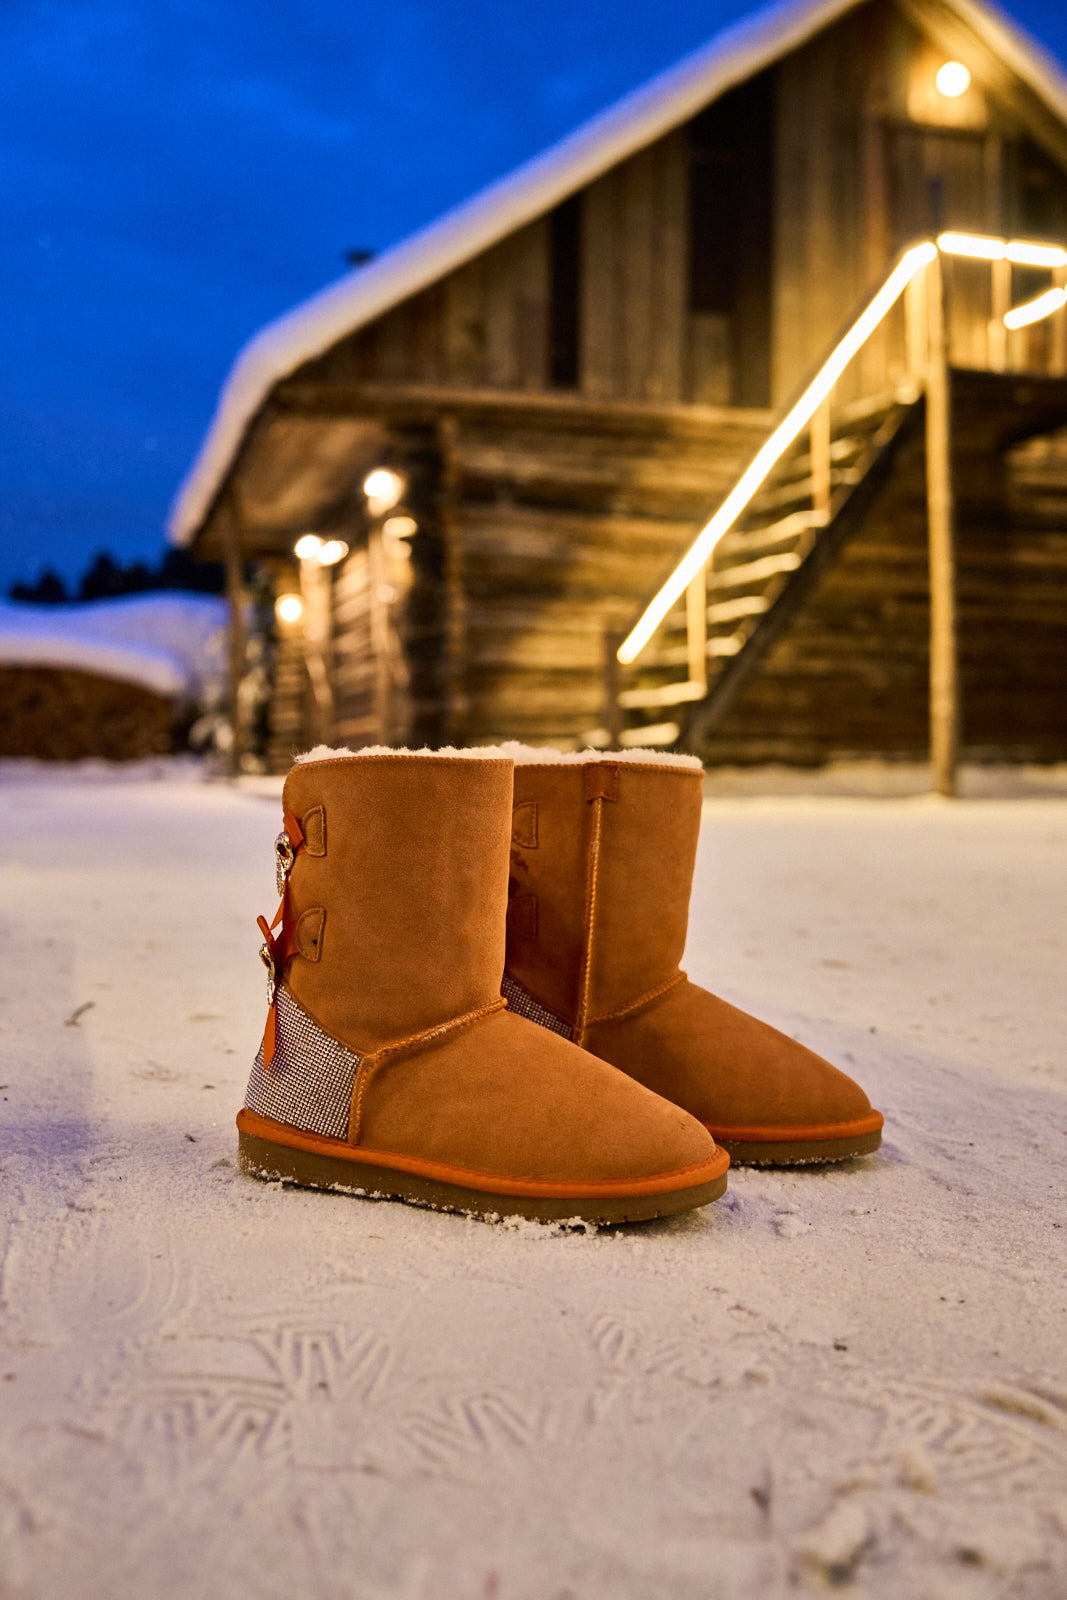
point(634, 267)
point(561, 528)
point(484, 325)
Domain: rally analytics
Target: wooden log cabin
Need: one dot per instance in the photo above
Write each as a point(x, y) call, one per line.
point(566, 376)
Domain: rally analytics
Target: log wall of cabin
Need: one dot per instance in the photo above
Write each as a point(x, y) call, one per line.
point(561, 527)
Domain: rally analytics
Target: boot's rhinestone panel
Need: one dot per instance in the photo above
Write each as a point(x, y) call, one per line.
point(308, 1085)
point(524, 1005)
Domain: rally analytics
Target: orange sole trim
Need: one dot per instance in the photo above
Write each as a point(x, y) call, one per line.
point(272, 1150)
point(791, 1147)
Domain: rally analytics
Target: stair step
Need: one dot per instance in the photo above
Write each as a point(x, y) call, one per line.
point(746, 605)
point(667, 694)
point(678, 655)
point(753, 571)
point(791, 490)
point(657, 733)
point(759, 540)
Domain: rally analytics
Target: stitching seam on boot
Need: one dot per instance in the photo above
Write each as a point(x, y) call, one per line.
point(635, 1005)
point(591, 881)
point(369, 1064)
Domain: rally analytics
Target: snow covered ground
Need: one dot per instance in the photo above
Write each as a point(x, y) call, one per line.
point(851, 1378)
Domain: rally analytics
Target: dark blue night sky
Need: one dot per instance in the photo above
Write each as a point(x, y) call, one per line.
point(177, 172)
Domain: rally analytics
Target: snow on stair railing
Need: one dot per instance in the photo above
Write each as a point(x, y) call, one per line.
point(812, 410)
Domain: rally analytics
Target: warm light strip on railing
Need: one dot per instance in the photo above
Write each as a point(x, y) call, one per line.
point(1036, 255)
point(973, 245)
point(787, 430)
point(1033, 310)
point(1018, 251)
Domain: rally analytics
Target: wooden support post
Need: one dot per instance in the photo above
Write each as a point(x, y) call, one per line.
point(612, 708)
point(915, 327)
point(379, 635)
point(819, 435)
point(316, 591)
point(944, 674)
point(235, 599)
point(696, 627)
point(1000, 303)
point(455, 673)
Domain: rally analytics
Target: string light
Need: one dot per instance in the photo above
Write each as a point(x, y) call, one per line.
point(333, 551)
point(383, 489)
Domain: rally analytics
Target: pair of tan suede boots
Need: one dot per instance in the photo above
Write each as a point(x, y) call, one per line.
point(475, 1000)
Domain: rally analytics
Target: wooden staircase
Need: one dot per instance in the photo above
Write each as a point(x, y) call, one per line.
point(761, 572)
point(814, 485)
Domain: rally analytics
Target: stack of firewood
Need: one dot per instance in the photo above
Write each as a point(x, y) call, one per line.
point(60, 714)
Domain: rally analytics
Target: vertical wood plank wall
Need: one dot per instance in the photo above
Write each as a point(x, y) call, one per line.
point(821, 201)
point(634, 274)
point(484, 325)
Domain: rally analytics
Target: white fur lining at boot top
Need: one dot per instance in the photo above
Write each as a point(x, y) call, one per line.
point(325, 752)
point(308, 1085)
point(535, 755)
point(520, 754)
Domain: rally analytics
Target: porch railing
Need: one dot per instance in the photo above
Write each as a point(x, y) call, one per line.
point(918, 279)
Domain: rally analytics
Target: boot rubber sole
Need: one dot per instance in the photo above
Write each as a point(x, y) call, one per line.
point(277, 1153)
point(799, 1147)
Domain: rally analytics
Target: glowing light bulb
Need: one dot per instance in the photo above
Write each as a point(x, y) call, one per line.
point(953, 79)
point(307, 547)
point(333, 551)
point(288, 608)
point(383, 489)
point(400, 527)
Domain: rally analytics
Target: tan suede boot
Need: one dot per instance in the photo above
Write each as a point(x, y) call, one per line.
point(603, 850)
point(390, 1065)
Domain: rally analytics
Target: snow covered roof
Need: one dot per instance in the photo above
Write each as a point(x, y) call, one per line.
point(172, 644)
point(643, 116)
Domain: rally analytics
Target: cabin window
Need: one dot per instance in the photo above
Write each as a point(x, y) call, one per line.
point(713, 236)
point(565, 250)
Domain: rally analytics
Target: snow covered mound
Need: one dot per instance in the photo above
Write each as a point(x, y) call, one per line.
point(173, 644)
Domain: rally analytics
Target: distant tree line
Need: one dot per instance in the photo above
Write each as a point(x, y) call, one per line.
point(105, 579)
